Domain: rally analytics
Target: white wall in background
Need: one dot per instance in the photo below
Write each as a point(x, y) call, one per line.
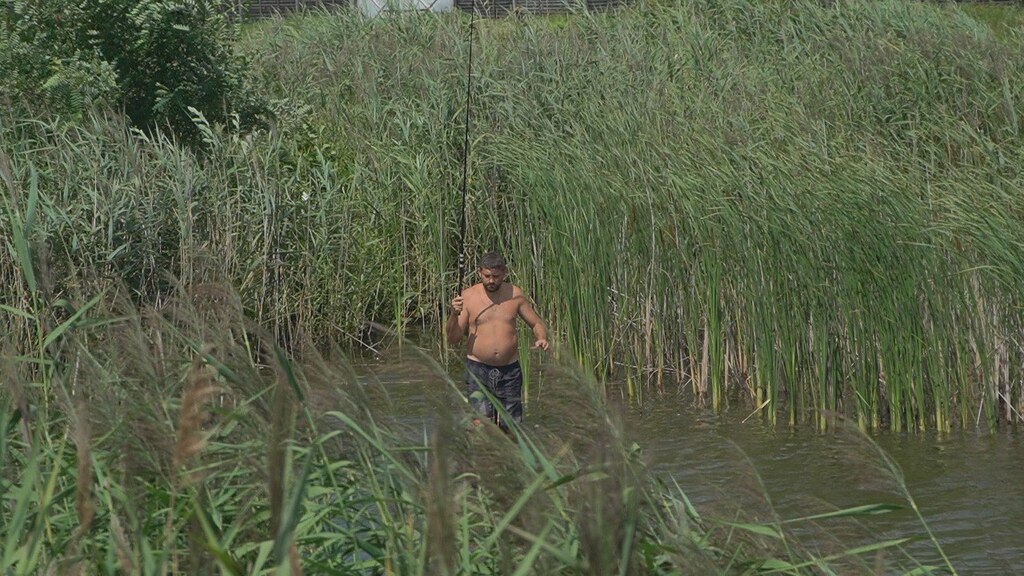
point(374, 8)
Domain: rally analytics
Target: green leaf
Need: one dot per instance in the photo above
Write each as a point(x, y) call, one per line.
point(776, 565)
point(70, 322)
point(23, 253)
point(293, 513)
point(17, 312)
point(851, 552)
point(865, 510)
point(567, 557)
point(33, 200)
point(526, 566)
point(289, 373)
point(375, 442)
point(227, 562)
point(760, 529)
point(513, 511)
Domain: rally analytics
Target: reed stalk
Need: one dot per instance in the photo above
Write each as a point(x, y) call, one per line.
point(830, 194)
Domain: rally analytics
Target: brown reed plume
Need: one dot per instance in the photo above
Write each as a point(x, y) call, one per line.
point(83, 485)
point(125, 554)
point(84, 506)
point(201, 386)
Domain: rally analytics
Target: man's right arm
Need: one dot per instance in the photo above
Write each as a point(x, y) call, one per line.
point(458, 322)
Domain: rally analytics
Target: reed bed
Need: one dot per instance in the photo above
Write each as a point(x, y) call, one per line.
point(816, 209)
point(184, 440)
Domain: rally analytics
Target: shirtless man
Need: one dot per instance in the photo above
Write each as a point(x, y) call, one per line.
point(488, 312)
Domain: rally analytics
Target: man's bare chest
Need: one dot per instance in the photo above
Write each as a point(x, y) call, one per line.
point(487, 312)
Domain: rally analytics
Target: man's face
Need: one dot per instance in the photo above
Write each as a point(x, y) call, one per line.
point(493, 278)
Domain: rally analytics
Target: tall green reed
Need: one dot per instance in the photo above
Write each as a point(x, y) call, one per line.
point(813, 206)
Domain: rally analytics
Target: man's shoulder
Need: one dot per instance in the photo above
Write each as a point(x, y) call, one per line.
point(474, 292)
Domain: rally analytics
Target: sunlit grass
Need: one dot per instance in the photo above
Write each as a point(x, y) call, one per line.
point(795, 228)
point(811, 209)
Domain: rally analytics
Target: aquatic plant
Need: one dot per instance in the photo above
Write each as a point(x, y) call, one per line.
point(814, 209)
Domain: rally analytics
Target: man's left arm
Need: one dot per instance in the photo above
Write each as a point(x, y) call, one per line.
point(532, 319)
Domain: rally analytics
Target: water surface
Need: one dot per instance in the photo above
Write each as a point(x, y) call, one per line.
point(967, 485)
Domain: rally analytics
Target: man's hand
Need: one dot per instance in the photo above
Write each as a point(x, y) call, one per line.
point(541, 344)
point(454, 330)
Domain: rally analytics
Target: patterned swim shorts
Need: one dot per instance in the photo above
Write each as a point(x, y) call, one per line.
point(505, 383)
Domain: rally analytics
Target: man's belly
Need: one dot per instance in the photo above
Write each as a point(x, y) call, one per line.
point(495, 349)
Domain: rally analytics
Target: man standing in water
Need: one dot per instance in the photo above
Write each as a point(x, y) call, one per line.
point(487, 311)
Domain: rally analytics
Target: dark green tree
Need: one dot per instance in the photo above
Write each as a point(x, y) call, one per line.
point(155, 59)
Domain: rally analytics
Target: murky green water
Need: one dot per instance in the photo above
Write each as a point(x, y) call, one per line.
point(968, 486)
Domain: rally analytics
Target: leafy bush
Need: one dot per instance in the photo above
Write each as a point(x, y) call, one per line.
point(156, 58)
point(46, 57)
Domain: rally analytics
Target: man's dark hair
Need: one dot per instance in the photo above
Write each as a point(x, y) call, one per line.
point(492, 260)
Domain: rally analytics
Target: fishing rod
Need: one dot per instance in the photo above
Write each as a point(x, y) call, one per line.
point(465, 154)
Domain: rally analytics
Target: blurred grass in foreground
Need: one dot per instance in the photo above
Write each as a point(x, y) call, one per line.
point(182, 440)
